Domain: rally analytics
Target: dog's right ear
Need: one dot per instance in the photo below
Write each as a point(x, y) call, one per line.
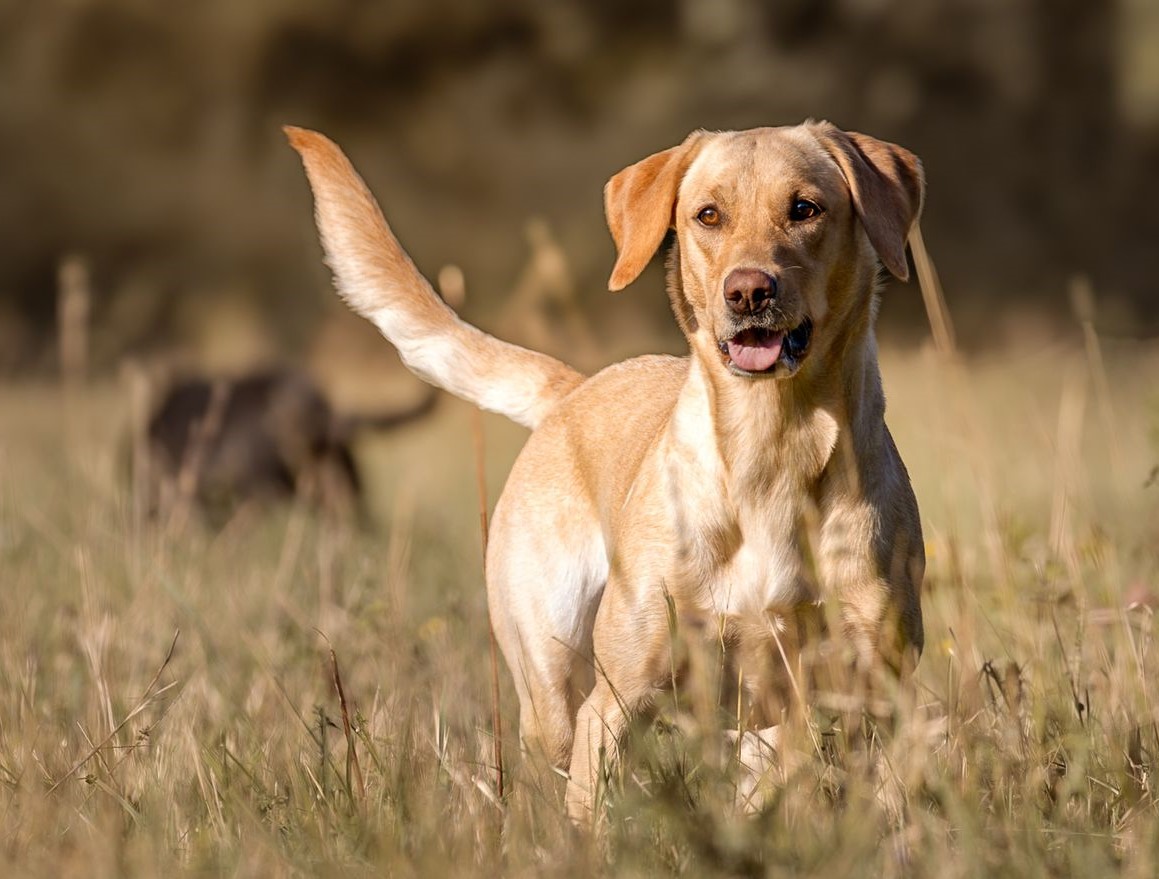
point(638, 203)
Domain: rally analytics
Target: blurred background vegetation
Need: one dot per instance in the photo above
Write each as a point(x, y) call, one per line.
point(143, 139)
point(153, 217)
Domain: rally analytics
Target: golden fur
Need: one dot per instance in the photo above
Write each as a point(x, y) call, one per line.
point(684, 483)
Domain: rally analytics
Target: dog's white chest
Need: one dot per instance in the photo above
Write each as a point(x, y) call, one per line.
point(763, 574)
point(731, 559)
point(737, 519)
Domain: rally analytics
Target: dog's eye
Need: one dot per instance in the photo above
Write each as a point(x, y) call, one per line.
point(708, 216)
point(803, 209)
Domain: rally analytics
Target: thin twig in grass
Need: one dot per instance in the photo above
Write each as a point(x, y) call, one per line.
point(750, 799)
point(323, 750)
point(99, 755)
point(11, 778)
point(1082, 297)
point(298, 714)
point(314, 781)
point(210, 795)
point(141, 706)
point(603, 774)
point(144, 734)
point(994, 684)
point(740, 722)
point(1079, 706)
point(1068, 454)
point(496, 717)
point(360, 731)
point(932, 295)
point(228, 755)
point(352, 767)
point(796, 688)
point(291, 545)
point(123, 801)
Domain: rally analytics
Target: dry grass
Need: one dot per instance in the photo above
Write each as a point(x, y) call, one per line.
point(1030, 750)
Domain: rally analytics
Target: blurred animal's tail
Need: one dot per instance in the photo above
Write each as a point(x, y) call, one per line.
point(347, 426)
point(378, 280)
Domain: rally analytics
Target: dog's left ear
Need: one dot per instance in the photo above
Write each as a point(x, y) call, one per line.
point(638, 203)
point(887, 185)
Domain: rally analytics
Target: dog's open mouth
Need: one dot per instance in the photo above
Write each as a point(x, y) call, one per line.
point(757, 350)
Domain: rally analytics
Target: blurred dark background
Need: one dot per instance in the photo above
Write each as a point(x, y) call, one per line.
point(142, 140)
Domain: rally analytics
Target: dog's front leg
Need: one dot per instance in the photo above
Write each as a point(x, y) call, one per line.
point(600, 724)
point(630, 643)
point(871, 560)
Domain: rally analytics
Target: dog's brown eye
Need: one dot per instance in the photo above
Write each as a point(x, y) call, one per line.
point(803, 209)
point(708, 216)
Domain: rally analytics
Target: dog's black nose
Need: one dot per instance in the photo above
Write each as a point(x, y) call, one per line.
point(749, 291)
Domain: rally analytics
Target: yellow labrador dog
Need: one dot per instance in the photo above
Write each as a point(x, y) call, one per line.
point(683, 484)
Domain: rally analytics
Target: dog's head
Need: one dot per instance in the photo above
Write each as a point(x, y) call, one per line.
point(776, 234)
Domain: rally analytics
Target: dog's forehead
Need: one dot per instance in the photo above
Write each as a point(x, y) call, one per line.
point(761, 159)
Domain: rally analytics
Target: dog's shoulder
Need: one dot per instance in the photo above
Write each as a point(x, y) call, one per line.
point(629, 388)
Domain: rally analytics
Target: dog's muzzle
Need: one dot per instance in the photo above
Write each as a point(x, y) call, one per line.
point(764, 351)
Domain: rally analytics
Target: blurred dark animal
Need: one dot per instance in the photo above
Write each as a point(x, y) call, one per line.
point(264, 436)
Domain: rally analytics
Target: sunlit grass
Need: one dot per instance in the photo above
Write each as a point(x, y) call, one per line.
point(1028, 746)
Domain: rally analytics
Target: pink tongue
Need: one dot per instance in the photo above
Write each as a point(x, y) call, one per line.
point(755, 352)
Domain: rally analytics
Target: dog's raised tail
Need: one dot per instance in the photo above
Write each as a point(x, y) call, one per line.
point(378, 280)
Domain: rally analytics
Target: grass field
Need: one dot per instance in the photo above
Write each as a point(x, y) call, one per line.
point(167, 702)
